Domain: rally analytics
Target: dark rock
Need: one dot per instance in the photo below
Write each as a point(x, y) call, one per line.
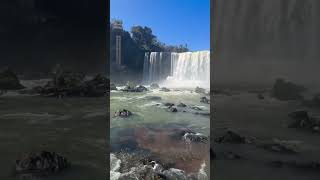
point(200, 90)
point(181, 105)
point(195, 137)
point(122, 113)
point(283, 90)
point(113, 87)
point(172, 109)
point(205, 100)
point(139, 88)
point(154, 86)
point(43, 162)
point(9, 80)
point(168, 104)
point(303, 121)
point(165, 89)
point(231, 137)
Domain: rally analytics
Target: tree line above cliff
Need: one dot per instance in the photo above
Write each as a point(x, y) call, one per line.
point(136, 42)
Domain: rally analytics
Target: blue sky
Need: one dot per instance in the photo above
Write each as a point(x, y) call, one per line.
point(172, 21)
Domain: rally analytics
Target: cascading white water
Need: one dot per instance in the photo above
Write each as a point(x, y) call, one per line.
point(188, 69)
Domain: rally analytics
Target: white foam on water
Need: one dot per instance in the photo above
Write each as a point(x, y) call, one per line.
point(114, 167)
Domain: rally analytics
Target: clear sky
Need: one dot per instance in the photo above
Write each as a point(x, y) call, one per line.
point(172, 21)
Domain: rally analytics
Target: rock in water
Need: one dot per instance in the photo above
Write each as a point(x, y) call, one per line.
point(154, 86)
point(9, 80)
point(172, 109)
point(200, 90)
point(195, 137)
point(43, 162)
point(123, 113)
point(113, 87)
point(205, 100)
point(164, 89)
point(181, 105)
point(283, 90)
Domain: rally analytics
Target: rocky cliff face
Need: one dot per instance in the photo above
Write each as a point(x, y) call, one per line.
point(263, 39)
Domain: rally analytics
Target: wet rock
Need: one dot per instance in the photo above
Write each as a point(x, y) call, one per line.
point(195, 137)
point(172, 109)
point(168, 104)
point(164, 89)
point(154, 86)
point(181, 105)
point(122, 113)
point(43, 162)
point(113, 87)
point(9, 80)
point(302, 120)
point(139, 88)
point(200, 90)
point(205, 100)
point(231, 137)
point(283, 90)
point(202, 113)
point(95, 87)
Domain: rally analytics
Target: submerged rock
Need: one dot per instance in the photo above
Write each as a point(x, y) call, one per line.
point(168, 104)
point(153, 98)
point(200, 90)
point(122, 113)
point(260, 96)
point(312, 165)
point(181, 105)
point(164, 89)
point(43, 162)
point(9, 80)
point(283, 90)
point(205, 100)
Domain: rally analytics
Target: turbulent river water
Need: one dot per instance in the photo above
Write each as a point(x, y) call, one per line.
point(152, 130)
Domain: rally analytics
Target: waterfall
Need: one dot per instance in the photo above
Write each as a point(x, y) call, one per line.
point(188, 69)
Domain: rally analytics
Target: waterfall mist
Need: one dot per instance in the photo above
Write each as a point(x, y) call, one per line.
point(258, 41)
point(188, 69)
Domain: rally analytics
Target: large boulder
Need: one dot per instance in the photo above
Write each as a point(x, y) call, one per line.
point(9, 80)
point(284, 90)
point(42, 162)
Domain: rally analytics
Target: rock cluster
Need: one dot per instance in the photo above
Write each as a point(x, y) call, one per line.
point(74, 84)
point(42, 162)
point(9, 80)
point(139, 88)
point(302, 120)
